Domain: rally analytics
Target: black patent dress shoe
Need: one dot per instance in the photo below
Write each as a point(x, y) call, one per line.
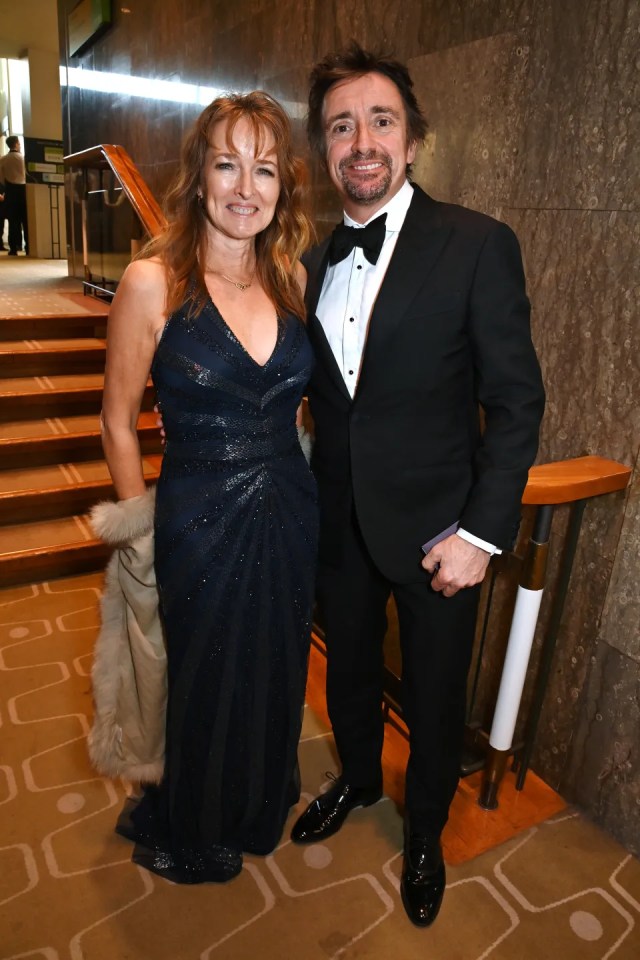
point(423, 879)
point(325, 815)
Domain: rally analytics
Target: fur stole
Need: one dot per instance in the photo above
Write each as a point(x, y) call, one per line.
point(129, 669)
point(120, 522)
point(306, 442)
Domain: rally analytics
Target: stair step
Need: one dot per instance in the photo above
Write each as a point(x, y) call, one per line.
point(16, 387)
point(58, 490)
point(25, 358)
point(56, 396)
point(52, 466)
point(50, 548)
point(30, 443)
point(54, 325)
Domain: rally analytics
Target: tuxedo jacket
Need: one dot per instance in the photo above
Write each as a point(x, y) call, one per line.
point(448, 346)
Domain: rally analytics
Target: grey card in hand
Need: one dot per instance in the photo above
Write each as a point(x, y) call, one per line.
point(430, 544)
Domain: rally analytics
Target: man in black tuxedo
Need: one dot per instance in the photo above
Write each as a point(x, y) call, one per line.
point(418, 315)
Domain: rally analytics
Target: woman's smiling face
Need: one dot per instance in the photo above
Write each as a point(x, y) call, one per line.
point(241, 182)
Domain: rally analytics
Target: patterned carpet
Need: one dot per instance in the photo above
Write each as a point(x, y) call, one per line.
point(68, 891)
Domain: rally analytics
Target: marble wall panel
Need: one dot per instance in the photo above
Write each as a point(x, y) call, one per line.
point(224, 15)
point(621, 614)
point(530, 104)
point(580, 270)
point(578, 634)
point(416, 27)
point(472, 96)
point(580, 113)
point(585, 324)
point(604, 769)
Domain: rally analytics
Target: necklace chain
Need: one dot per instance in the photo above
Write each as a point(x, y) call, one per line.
point(238, 284)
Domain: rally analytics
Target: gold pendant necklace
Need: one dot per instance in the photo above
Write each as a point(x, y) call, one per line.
point(238, 284)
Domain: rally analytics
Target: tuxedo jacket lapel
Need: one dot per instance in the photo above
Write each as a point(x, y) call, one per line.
point(419, 245)
point(315, 262)
point(316, 265)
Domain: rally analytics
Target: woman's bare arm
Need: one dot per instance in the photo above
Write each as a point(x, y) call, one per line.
point(136, 317)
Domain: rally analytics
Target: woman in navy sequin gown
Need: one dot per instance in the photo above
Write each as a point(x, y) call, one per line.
point(215, 313)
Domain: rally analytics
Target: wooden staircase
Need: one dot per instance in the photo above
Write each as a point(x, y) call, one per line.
point(51, 465)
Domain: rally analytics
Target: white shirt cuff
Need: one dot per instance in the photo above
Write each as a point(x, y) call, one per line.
point(477, 542)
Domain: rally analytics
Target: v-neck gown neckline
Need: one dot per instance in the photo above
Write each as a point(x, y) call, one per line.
point(229, 330)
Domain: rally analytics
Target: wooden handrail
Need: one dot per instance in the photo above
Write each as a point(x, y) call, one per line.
point(565, 481)
point(110, 156)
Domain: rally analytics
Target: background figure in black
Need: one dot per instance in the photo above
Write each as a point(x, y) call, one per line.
point(13, 187)
point(215, 311)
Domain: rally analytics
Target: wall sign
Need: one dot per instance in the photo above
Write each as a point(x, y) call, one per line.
point(43, 160)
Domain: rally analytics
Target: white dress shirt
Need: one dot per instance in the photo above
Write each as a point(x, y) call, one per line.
point(347, 298)
point(12, 168)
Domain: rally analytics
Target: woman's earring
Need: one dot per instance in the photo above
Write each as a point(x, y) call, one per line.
point(200, 199)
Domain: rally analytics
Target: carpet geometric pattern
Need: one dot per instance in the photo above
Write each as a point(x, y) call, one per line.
point(68, 890)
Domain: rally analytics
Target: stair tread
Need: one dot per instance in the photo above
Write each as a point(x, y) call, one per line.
point(67, 383)
point(49, 428)
point(24, 538)
point(33, 481)
point(21, 386)
point(54, 318)
point(54, 345)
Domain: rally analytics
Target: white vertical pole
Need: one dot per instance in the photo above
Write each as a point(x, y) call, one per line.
point(514, 672)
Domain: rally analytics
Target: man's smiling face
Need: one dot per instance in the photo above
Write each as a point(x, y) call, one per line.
point(366, 142)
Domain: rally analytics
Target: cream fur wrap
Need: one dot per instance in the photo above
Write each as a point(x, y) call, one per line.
point(129, 671)
point(306, 442)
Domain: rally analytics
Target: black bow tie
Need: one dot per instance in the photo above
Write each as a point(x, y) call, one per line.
point(370, 238)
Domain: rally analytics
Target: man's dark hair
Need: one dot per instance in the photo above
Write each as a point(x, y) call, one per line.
point(12, 142)
point(348, 64)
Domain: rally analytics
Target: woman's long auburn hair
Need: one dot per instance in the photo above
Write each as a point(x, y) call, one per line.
point(182, 244)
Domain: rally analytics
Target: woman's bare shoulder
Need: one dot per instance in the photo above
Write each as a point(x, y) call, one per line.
point(141, 297)
point(146, 275)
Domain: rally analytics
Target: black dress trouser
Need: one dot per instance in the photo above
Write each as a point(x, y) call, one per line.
point(15, 199)
point(436, 638)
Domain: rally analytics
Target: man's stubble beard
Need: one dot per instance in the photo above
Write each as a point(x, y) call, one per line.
point(363, 193)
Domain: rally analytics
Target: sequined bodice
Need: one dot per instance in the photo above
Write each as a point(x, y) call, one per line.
point(217, 403)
